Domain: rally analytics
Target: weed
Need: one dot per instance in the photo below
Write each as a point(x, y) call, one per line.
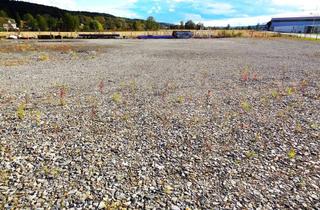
point(303, 85)
point(101, 86)
point(133, 86)
point(292, 153)
point(245, 74)
point(26, 98)
point(62, 94)
point(298, 128)
point(208, 97)
point(274, 93)
point(37, 117)
point(180, 99)
point(43, 57)
point(245, 106)
point(117, 98)
point(21, 113)
point(251, 154)
point(290, 91)
point(255, 77)
point(168, 189)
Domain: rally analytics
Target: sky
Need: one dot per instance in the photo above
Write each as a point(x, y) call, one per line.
point(208, 12)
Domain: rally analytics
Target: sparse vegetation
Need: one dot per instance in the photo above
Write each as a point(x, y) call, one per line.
point(167, 130)
point(117, 98)
point(21, 113)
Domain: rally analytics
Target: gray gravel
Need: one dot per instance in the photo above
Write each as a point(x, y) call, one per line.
point(162, 124)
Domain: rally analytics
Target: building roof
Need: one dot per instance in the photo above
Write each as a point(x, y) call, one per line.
point(285, 19)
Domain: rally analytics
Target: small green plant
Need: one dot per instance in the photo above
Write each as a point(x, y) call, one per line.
point(251, 154)
point(37, 117)
point(21, 113)
point(43, 57)
point(292, 153)
point(133, 86)
point(180, 99)
point(117, 98)
point(274, 93)
point(298, 128)
point(290, 91)
point(245, 106)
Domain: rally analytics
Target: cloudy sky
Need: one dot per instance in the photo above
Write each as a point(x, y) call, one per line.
point(209, 12)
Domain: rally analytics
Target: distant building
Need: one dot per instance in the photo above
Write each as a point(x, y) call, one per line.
point(10, 25)
point(296, 24)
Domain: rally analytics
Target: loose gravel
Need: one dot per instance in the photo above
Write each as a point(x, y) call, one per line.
point(161, 124)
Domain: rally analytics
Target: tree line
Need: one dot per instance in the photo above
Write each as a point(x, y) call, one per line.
point(69, 22)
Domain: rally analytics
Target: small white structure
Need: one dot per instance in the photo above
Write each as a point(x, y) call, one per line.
point(10, 26)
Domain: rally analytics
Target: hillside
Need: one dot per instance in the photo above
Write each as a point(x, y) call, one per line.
point(34, 17)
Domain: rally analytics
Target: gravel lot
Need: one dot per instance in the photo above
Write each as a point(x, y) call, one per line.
point(161, 124)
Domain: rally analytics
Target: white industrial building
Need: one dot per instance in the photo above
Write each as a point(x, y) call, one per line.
point(296, 25)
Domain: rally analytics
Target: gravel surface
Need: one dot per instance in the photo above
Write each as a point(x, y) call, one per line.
point(161, 124)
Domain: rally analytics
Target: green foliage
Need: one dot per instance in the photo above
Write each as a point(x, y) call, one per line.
point(3, 13)
point(151, 24)
point(190, 25)
point(70, 22)
point(42, 23)
point(31, 22)
point(245, 106)
point(290, 91)
point(117, 98)
point(180, 99)
point(37, 117)
point(251, 154)
point(95, 25)
point(274, 93)
point(21, 113)
point(138, 26)
point(292, 153)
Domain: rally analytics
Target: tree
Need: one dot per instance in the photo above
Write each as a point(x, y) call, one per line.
point(190, 25)
point(138, 26)
point(18, 19)
point(95, 25)
point(110, 24)
point(42, 23)
point(32, 23)
point(52, 23)
point(200, 26)
point(3, 13)
point(70, 22)
point(151, 24)
point(181, 25)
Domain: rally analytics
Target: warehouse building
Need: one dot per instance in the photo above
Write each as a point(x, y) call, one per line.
point(296, 25)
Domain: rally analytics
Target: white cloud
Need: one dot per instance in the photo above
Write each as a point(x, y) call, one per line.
point(217, 8)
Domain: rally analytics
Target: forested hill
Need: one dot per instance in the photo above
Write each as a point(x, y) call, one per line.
point(35, 17)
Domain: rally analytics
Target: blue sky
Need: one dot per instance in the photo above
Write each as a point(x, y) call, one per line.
point(209, 12)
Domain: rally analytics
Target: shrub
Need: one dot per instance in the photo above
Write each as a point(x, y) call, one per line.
point(245, 106)
point(180, 99)
point(117, 98)
point(43, 57)
point(292, 153)
point(21, 111)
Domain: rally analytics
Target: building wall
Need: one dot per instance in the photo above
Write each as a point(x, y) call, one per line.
point(294, 26)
